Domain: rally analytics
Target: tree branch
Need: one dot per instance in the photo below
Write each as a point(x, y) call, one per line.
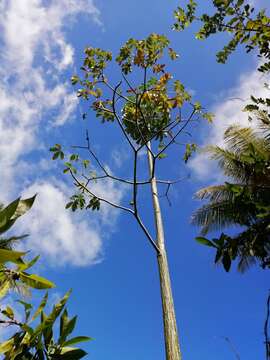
point(177, 133)
point(82, 186)
point(117, 117)
point(149, 237)
point(117, 206)
point(266, 324)
point(10, 322)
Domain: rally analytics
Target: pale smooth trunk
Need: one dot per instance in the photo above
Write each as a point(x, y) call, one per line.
point(169, 319)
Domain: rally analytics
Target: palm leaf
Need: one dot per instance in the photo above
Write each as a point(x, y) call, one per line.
point(221, 214)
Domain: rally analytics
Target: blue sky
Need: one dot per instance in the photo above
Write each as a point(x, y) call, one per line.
point(104, 258)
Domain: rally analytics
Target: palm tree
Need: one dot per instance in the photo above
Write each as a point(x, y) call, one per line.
point(242, 202)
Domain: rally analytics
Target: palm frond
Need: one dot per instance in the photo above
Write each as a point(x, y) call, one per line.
point(246, 262)
point(246, 202)
point(253, 244)
point(214, 193)
point(238, 138)
point(243, 167)
point(230, 163)
point(221, 214)
point(264, 124)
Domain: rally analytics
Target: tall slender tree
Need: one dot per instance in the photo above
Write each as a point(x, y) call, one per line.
point(151, 114)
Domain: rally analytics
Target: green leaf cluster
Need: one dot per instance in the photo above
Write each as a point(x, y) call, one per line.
point(190, 148)
point(37, 341)
point(57, 152)
point(32, 339)
point(235, 17)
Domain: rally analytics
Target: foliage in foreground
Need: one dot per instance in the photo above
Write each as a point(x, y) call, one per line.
point(246, 160)
point(239, 19)
point(244, 202)
point(35, 335)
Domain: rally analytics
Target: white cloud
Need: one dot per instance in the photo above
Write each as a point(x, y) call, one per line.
point(119, 157)
point(34, 99)
point(64, 237)
point(228, 111)
point(257, 3)
point(59, 235)
point(34, 54)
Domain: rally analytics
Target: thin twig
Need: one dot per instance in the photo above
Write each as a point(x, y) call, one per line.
point(117, 117)
point(82, 186)
point(266, 324)
point(128, 83)
point(10, 322)
point(177, 133)
point(115, 92)
point(117, 206)
point(149, 237)
point(231, 345)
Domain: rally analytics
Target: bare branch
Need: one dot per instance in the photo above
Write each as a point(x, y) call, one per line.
point(232, 347)
point(82, 186)
point(128, 83)
point(117, 118)
point(10, 322)
point(117, 206)
point(149, 237)
point(167, 195)
point(115, 92)
point(93, 154)
point(177, 133)
point(116, 178)
point(266, 325)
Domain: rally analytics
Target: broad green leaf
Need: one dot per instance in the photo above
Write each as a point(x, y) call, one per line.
point(6, 346)
point(10, 214)
point(6, 215)
point(4, 288)
point(35, 281)
point(41, 307)
point(66, 326)
point(8, 312)
point(226, 261)
point(58, 307)
point(205, 241)
point(27, 308)
point(72, 354)
point(9, 211)
point(27, 265)
point(162, 156)
point(27, 329)
point(76, 340)
point(23, 206)
point(10, 255)
point(26, 305)
point(48, 321)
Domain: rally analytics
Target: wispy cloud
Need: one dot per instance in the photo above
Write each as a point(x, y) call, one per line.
point(35, 55)
point(55, 233)
point(228, 110)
